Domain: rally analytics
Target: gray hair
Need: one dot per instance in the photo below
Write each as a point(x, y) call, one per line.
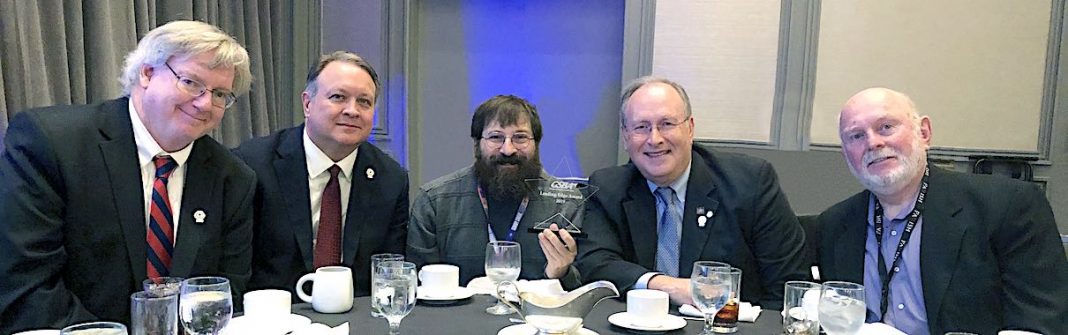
point(187, 38)
point(635, 84)
point(343, 56)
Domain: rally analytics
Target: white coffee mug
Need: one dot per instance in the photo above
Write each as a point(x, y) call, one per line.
point(331, 289)
point(439, 280)
point(268, 304)
point(647, 308)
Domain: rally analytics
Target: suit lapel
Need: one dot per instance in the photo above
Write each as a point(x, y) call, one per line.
point(364, 185)
point(119, 152)
point(699, 194)
point(197, 195)
point(940, 244)
point(640, 210)
point(850, 237)
point(292, 163)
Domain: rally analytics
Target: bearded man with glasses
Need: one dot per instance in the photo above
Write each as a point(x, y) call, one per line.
point(675, 203)
point(95, 199)
point(455, 216)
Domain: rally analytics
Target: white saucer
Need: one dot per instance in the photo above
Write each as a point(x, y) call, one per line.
point(247, 325)
point(39, 332)
point(525, 329)
point(670, 322)
point(458, 294)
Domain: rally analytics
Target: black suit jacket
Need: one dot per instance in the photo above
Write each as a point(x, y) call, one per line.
point(376, 221)
point(990, 256)
point(72, 233)
point(752, 227)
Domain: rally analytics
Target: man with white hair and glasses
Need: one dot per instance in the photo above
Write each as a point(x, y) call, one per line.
point(94, 199)
point(937, 250)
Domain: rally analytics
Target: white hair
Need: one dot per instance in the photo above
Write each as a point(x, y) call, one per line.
point(182, 39)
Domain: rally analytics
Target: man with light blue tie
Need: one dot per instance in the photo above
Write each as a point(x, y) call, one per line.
point(695, 203)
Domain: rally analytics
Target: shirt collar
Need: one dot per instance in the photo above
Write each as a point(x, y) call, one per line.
point(679, 185)
point(897, 216)
point(319, 162)
point(147, 147)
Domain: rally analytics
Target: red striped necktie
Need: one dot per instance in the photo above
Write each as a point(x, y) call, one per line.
point(160, 238)
point(328, 236)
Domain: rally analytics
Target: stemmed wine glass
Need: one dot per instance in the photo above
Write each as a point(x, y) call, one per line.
point(394, 291)
point(710, 285)
point(841, 307)
point(206, 305)
point(503, 263)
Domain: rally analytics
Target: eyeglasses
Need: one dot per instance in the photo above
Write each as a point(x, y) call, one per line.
point(219, 97)
point(645, 128)
point(519, 140)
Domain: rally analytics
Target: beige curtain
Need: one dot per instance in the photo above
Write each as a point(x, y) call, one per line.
point(56, 52)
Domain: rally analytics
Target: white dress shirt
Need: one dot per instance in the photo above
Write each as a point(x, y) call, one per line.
point(318, 175)
point(147, 149)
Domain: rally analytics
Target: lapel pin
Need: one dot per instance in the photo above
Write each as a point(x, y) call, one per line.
point(700, 211)
point(370, 173)
point(709, 214)
point(199, 216)
point(701, 221)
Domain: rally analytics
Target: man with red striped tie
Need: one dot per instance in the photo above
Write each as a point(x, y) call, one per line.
point(96, 198)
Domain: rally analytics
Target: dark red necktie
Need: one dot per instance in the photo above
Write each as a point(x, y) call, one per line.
point(160, 237)
point(328, 237)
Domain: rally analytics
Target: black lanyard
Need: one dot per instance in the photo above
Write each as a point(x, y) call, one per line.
point(917, 211)
point(515, 223)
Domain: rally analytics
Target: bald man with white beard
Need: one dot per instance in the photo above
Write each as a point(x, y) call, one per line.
point(981, 253)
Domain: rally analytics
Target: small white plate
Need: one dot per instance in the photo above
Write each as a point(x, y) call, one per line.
point(525, 329)
point(623, 319)
point(247, 325)
point(39, 332)
point(458, 294)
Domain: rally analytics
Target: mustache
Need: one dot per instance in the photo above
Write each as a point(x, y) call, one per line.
point(511, 160)
point(871, 156)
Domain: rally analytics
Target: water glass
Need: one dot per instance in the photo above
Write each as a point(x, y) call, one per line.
point(95, 328)
point(206, 305)
point(842, 307)
point(153, 315)
point(163, 286)
point(394, 291)
point(710, 286)
point(503, 263)
point(375, 260)
point(801, 308)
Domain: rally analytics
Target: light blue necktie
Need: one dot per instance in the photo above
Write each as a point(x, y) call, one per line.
point(668, 233)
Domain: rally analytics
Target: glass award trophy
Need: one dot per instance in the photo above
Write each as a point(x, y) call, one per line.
point(564, 197)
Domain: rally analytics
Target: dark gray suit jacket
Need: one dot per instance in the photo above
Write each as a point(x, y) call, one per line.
point(990, 257)
point(72, 233)
point(752, 227)
point(376, 221)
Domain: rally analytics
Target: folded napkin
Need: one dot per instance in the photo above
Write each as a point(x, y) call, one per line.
point(483, 285)
point(321, 329)
point(746, 311)
point(879, 328)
